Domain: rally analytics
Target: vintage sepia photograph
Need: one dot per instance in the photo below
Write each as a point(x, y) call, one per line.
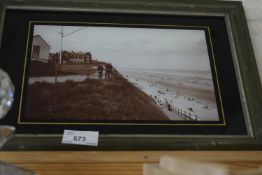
point(108, 73)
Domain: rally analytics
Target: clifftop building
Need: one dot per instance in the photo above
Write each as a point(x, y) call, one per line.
point(40, 49)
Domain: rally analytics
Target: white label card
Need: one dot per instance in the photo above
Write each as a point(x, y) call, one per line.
point(81, 137)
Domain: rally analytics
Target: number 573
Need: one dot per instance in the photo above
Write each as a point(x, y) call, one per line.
point(79, 138)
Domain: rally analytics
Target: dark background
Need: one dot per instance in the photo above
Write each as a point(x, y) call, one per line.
point(12, 60)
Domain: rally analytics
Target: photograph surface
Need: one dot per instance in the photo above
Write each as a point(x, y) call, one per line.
point(109, 73)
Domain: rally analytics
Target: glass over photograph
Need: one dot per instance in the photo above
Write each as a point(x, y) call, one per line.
point(100, 73)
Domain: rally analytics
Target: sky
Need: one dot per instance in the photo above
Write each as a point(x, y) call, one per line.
point(145, 48)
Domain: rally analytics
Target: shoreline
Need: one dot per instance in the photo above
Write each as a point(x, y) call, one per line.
point(203, 95)
point(187, 97)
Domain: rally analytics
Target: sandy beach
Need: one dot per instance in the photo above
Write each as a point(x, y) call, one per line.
point(178, 93)
point(204, 95)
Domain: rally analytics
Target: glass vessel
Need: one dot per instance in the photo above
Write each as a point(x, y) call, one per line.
point(6, 132)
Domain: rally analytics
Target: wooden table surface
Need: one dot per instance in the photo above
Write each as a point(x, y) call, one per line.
point(120, 163)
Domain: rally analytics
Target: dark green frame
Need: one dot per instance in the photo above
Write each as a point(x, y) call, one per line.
point(244, 63)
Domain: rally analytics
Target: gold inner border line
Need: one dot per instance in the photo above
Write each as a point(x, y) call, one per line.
point(218, 85)
point(127, 123)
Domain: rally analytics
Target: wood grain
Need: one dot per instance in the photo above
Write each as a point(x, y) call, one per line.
point(120, 162)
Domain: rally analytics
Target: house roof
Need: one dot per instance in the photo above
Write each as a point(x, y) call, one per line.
point(42, 40)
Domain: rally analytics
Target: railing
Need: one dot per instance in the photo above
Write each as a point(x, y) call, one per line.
point(179, 112)
point(184, 114)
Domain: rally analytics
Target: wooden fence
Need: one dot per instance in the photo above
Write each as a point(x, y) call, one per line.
point(185, 115)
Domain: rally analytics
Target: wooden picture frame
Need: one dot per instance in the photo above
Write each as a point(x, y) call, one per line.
point(242, 130)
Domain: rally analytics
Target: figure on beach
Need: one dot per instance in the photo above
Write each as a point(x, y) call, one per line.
point(100, 69)
point(108, 68)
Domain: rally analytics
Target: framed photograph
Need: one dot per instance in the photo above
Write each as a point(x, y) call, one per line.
point(145, 75)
